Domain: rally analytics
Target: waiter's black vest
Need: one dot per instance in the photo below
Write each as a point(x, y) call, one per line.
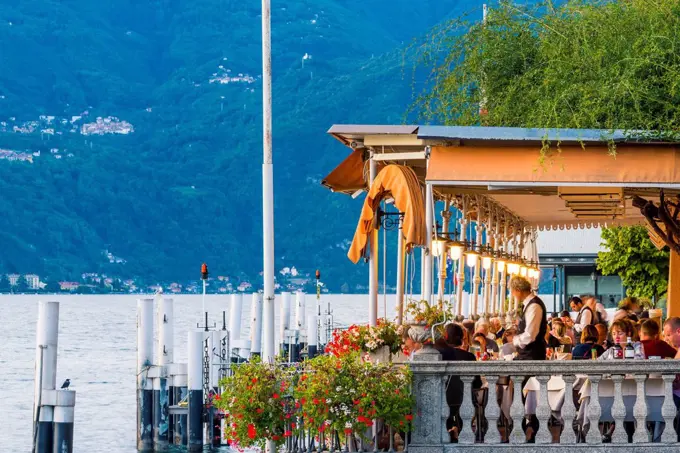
point(536, 349)
point(593, 321)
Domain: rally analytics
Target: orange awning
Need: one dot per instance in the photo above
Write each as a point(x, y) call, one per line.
point(402, 184)
point(573, 165)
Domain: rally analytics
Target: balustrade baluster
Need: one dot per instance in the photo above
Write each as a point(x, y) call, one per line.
point(446, 411)
point(467, 411)
point(640, 411)
point(668, 410)
point(568, 409)
point(594, 410)
point(618, 412)
point(517, 412)
point(543, 411)
point(492, 412)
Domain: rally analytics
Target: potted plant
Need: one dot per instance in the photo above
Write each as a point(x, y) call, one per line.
point(426, 322)
point(379, 342)
point(255, 402)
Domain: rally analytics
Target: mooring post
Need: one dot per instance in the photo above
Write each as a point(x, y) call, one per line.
point(144, 383)
point(256, 325)
point(165, 355)
point(47, 334)
point(284, 322)
point(235, 316)
point(312, 336)
point(178, 375)
point(64, 408)
point(195, 384)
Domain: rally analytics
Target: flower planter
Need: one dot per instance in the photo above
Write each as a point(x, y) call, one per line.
point(420, 334)
point(381, 355)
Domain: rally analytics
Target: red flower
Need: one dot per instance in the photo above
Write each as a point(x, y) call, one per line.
point(254, 380)
point(315, 401)
point(288, 433)
point(275, 396)
point(409, 417)
point(361, 419)
point(275, 437)
point(303, 377)
point(356, 402)
point(252, 433)
point(259, 410)
point(348, 431)
point(292, 426)
point(297, 405)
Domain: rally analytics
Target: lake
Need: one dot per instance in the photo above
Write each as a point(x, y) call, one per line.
point(97, 351)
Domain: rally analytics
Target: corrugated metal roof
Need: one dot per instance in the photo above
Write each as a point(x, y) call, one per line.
point(523, 134)
point(502, 133)
point(368, 129)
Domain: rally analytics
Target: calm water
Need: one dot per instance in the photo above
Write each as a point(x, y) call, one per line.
point(97, 351)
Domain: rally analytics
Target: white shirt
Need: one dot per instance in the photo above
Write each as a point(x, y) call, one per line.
point(586, 319)
point(533, 320)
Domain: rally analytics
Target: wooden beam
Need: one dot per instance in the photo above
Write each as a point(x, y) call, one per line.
point(673, 296)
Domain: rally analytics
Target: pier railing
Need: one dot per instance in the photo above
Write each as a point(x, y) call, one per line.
point(575, 406)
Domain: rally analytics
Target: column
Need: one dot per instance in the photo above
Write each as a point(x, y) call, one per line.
point(427, 259)
point(373, 261)
point(401, 263)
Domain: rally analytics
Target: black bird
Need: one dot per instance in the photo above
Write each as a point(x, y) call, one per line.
point(66, 383)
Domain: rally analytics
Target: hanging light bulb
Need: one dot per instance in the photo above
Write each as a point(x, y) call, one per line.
point(471, 258)
point(500, 264)
point(523, 270)
point(438, 246)
point(486, 262)
point(456, 249)
point(513, 267)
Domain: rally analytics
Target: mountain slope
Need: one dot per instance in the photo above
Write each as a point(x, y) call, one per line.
point(185, 185)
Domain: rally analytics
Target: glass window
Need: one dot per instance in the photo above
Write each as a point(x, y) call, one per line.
point(580, 284)
point(610, 290)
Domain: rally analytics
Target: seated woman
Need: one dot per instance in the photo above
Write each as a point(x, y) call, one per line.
point(620, 330)
point(455, 335)
point(584, 350)
point(557, 337)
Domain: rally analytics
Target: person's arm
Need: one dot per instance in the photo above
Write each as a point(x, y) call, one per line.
point(586, 318)
point(533, 326)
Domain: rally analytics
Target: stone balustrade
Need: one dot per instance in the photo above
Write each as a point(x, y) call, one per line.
point(580, 406)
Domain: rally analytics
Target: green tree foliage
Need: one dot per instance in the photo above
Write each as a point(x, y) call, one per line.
point(631, 255)
point(582, 64)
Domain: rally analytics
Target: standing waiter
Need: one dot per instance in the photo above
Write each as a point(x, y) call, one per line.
point(530, 342)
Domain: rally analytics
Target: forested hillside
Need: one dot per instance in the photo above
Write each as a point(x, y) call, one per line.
point(170, 176)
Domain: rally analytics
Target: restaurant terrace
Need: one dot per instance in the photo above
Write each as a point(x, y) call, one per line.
point(502, 187)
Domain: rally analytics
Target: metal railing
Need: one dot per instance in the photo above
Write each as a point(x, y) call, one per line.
point(587, 405)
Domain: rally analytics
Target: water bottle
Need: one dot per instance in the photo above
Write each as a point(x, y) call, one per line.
point(639, 351)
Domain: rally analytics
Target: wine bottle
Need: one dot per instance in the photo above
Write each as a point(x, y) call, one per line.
point(618, 351)
point(630, 350)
